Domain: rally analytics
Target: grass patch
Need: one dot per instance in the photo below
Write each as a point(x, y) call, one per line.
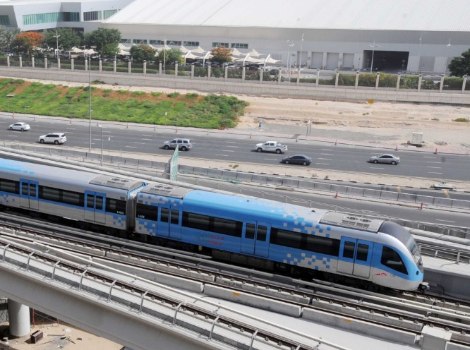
point(211, 112)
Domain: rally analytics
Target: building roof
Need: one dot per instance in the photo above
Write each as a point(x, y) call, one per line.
point(412, 15)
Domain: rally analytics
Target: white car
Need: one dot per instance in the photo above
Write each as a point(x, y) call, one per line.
point(20, 126)
point(54, 137)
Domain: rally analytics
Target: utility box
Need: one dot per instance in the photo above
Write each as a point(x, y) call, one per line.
point(36, 336)
point(416, 139)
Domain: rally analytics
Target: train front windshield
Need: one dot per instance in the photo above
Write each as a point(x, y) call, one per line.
point(400, 233)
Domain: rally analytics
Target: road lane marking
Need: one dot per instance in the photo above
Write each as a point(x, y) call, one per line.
point(450, 221)
point(318, 163)
point(433, 172)
point(434, 167)
point(129, 147)
point(221, 155)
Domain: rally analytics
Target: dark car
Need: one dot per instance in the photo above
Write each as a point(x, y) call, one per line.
point(299, 159)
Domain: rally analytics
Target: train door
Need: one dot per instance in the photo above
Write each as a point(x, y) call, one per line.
point(29, 194)
point(248, 240)
point(262, 239)
point(355, 257)
point(95, 207)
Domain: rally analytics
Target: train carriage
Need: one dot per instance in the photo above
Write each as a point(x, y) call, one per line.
point(76, 195)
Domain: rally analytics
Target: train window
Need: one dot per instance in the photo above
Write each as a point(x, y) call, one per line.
point(261, 233)
point(49, 193)
point(90, 201)
point(175, 217)
point(392, 259)
point(165, 215)
point(250, 231)
point(362, 252)
point(227, 227)
point(323, 245)
point(73, 198)
point(348, 250)
point(24, 189)
point(142, 211)
point(99, 203)
point(32, 190)
point(201, 222)
point(119, 207)
point(285, 238)
point(9, 186)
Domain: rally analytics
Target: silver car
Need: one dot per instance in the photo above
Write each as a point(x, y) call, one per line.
point(56, 138)
point(384, 159)
point(20, 126)
point(182, 144)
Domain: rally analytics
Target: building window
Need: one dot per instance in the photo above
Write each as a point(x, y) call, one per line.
point(139, 41)
point(239, 46)
point(108, 13)
point(156, 42)
point(191, 43)
point(70, 17)
point(92, 16)
point(217, 44)
point(40, 18)
point(125, 41)
point(174, 42)
point(4, 20)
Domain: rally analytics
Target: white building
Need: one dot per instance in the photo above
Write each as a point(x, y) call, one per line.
point(385, 35)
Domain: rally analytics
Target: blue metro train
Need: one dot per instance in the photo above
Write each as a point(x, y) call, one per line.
point(248, 230)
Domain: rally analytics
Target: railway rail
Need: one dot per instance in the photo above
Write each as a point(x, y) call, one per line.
point(405, 311)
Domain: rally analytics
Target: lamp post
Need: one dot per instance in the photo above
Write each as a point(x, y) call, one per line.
point(56, 36)
point(373, 46)
point(164, 56)
point(101, 127)
point(289, 45)
point(89, 98)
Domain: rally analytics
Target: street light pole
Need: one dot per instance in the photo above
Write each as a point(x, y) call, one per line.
point(289, 45)
point(56, 36)
point(89, 97)
point(373, 46)
point(101, 127)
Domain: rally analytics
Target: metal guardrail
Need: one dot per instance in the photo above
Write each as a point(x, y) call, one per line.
point(202, 321)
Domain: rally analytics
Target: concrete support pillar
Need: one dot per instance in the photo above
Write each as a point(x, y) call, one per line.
point(18, 315)
point(8, 61)
point(434, 338)
point(45, 62)
point(192, 71)
point(324, 60)
point(144, 67)
point(225, 73)
point(298, 76)
point(100, 65)
point(336, 78)
point(176, 69)
point(441, 83)
point(243, 73)
point(420, 79)
point(398, 82)
point(129, 67)
point(318, 78)
point(86, 65)
point(209, 72)
point(261, 71)
point(464, 83)
point(33, 63)
point(21, 62)
point(279, 77)
point(160, 68)
point(356, 82)
point(72, 64)
point(114, 66)
point(377, 80)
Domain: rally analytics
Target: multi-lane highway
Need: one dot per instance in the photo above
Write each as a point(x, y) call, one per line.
point(340, 158)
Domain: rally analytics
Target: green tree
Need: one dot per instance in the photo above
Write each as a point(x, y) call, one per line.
point(142, 53)
point(169, 57)
point(105, 41)
point(460, 66)
point(221, 55)
point(6, 38)
point(66, 39)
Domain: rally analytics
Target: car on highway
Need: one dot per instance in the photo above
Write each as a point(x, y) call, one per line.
point(271, 146)
point(444, 186)
point(384, 159)
point(299, 159)
point(182, 144)
point(54, 137)
point(19, 126)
